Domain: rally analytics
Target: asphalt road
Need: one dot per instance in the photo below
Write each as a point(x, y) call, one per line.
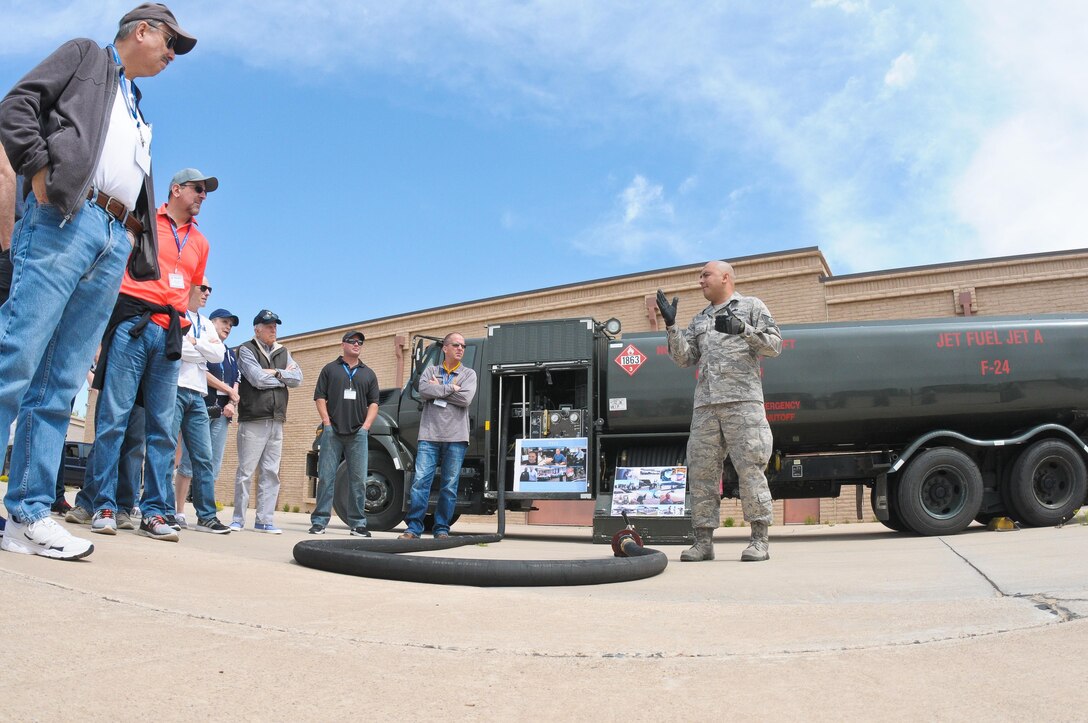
point(844, 622)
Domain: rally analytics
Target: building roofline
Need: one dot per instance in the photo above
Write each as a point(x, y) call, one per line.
point(950, 265)
point(560, 287)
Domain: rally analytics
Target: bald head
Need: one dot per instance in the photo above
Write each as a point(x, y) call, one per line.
point(717, 281)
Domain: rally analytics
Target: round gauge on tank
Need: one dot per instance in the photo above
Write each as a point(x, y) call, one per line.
point(574, 416)
point(555, 417)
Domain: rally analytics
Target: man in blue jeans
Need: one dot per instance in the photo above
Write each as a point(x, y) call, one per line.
point(447, 391)
point(73, 128)
point(346, 397)
point(200, 347)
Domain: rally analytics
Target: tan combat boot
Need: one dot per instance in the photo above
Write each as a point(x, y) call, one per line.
point(758, 548)
point(703, 549)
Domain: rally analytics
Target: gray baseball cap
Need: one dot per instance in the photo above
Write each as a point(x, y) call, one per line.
point(191, 175)
point(159, 13)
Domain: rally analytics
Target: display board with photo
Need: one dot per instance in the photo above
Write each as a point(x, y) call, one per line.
point(551, 465)
point(649, 491)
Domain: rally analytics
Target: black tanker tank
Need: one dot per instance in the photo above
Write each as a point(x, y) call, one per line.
point(878, 385)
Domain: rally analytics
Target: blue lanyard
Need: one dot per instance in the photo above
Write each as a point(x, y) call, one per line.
point(351, 371)
point(180, 241)
point(447, 376)
point(195, 324)
point(130, 97)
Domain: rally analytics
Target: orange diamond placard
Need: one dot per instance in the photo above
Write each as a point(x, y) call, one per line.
point(630, 359)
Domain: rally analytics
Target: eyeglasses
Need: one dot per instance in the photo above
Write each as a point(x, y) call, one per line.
point(455, 345)
point(354, 342)
point(171, 39)
point(200, 190)
point(205, 289)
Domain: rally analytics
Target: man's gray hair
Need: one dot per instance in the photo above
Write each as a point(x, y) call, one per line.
point(126, 30)
point(447, 337)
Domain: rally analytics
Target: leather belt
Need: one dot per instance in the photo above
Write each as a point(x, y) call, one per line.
point(116, 209)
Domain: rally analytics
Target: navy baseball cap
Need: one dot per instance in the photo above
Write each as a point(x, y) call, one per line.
point(224, 314)
point(264, 316)
point(354, 335)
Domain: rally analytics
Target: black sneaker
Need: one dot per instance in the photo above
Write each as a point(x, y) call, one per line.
point(212, 525)
point(317, 530)
point(360, 532)
point(172, 521)
point(61, 507)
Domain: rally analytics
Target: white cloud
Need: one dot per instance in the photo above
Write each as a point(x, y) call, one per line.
point(642, 221)
point(1024, 187)
point(847, 6)
point(902, 72)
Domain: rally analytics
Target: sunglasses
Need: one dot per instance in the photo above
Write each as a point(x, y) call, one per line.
point(354, 342)
point(171, 39)
point(455, 345)
point(196, 187)
point(205, 289)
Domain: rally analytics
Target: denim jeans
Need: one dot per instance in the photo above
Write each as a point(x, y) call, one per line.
point(129, 469)
point(218, 429)
point(135, 363)
point(191, 420)
point(354, 449)
point(428, 455)
point(63, 289)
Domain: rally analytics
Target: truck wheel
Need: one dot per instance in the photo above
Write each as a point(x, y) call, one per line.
point(384, 493)
point(1048, 483)
point(940, 492)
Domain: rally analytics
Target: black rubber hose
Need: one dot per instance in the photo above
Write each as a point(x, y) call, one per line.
point(379, 559)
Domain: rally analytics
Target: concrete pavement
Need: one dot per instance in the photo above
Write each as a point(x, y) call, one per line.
point(850, 621)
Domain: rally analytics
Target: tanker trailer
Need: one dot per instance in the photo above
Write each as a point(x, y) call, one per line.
point(946, 420)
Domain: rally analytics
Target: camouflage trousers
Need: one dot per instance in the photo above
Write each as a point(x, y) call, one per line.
point(740, 430)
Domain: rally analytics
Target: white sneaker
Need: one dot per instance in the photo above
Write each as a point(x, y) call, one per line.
point(46, 538)
point(180, 519)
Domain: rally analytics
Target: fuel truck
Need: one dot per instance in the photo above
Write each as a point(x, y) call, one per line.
point(943, 421)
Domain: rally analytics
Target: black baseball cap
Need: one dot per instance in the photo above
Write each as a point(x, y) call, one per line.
point(354, 334)
point(264, 316)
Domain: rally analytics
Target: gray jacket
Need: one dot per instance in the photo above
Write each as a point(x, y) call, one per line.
point(728, 363)
point(446, 421)
point(57, 116)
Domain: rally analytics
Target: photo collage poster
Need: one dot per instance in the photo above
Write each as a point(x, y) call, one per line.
point(650, 491)
point(551, 465)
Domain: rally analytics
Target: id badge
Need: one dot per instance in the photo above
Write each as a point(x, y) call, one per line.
point(440, 402)
point(143, 149)
point(349, 394)
point(177, 281)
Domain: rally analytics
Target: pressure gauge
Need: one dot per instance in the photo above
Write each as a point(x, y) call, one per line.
point(574, 416)
point(555, 417)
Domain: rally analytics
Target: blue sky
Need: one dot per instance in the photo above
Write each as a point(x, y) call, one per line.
point(381, 157)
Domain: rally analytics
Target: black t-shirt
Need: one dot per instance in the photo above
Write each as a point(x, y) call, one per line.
point(347, 415)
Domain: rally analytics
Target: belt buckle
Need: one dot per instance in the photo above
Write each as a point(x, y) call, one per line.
point(120, 217)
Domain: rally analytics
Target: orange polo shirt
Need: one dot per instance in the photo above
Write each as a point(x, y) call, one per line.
point(188, 263)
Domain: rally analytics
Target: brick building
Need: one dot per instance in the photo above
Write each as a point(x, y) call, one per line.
point(797, 286)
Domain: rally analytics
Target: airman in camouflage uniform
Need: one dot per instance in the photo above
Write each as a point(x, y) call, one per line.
point(726, 340)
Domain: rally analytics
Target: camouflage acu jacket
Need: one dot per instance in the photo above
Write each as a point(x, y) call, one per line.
point(728, 364)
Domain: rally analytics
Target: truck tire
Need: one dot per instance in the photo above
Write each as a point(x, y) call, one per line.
point(940, 492)
point(1048, 483)
point(384, 493)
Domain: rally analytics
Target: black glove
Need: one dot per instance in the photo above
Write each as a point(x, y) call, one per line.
point(668, 311)
point(728, 324)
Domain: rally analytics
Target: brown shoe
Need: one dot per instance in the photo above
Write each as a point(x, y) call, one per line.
point(442, 536)
point(409, 536)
